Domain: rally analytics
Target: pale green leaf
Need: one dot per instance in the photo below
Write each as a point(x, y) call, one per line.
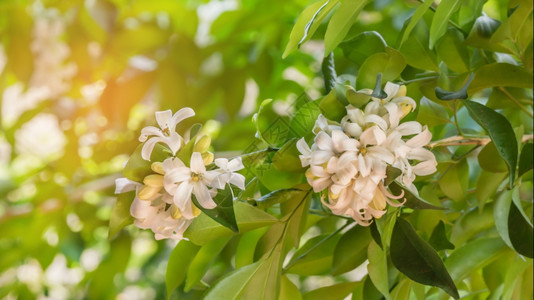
point(341, 21)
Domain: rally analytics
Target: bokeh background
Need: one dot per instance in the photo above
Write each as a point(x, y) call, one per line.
point(79, 79)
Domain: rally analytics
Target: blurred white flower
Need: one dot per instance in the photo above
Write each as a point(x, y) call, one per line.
point(41, 137)
point(166, 133)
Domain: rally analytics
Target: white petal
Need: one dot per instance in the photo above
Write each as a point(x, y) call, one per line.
point(177, 175)
point(221, 163)
point(174, 141)
point(303, 147)
point(182, 195)
point(420, 140)
point(146, 151)
point(425, 168)
point(391, 89)
point(163, 118)
point(394, 115)
point(409, 128)
point(203, 196)
point(235, 164)
point(375, 119)
point(123, 185)
point(181, 115)
point(324, 141)
point(197, 164)
point(238, 180)
point(149, 131)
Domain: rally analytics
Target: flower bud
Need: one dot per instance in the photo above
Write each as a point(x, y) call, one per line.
point(175, 212)
point(154, 180)
point(207, 157)
point(157, 167)
point(203, 144)
point(147, 192)
point(401, 92)
point(196, 210)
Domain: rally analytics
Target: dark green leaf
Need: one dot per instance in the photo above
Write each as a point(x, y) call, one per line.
point(418, 260)
point(341, 21)
point(500, 132)
point(525, 160)
point(329, 72)
point(520, 232)
point(438, 239)
point(287, 158)
point(441, 18)
point(489, 159)
point(375, 234)
point(204, 229)
point(202, 261)
point(120, 214)
point(391, 175)
point(179, 261)
point(351, 250)
point(460, 94)
point(223, 213)
point(412, 200)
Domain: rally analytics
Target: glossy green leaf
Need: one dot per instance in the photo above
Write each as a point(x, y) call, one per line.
point(316, 262)
point(331, 107)
point(328, 68)
point(412, 200)
point(432, 113)
point(489, 159)
point(500, 74)
point(375, 234)
point(415, 50)
point(304, 119)
point(378, 268)
point(520, 232)
point(204, 229)
point(487, 185)
point(363, 45)
point(244, 253)
point(334, 292)
point(265, 284)
point(340, 23)
point(481, 33)
point(351, 250)
point(525, 160)
point(279, 196)
point(297, 211)
point(501, 211)
point(356, 98)
point(223, 213)
point(287, 158)
point(414, 19)
point(390, 63)
point(455, 181)
point(441, 18)
point(402, 290)
point(179, 261)
point(438, 239)
point(472, 256)
point(500, 132)
point(307, 23)
point(232, 285)
point(120, 214)
point(273, 179)
point(452, 51)
point(418, 260)
point(203, 259)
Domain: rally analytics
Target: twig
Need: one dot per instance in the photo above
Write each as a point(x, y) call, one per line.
point(458, 140)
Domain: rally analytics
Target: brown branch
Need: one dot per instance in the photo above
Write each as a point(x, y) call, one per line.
point(460, 140)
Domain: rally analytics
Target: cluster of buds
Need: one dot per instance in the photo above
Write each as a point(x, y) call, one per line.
point(349, 159)
point(163, 201)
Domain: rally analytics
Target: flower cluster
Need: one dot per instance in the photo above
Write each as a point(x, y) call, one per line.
point(163, 201)
point(349, 159)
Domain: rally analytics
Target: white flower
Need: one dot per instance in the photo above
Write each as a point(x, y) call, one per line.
point(227, 173)
point(181, 181)
point(166, 133)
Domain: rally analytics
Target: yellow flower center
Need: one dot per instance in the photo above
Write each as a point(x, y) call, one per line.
point(195, 177)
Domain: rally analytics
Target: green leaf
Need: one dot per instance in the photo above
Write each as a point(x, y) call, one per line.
point(250, 190)
point(481, 33)
point(414, 19)
point(500, 131)
point(402, 290)
point(331, 107)
point(487, 185)
point(520, 232)
point(204, 229)
point(432, 113)
point(378, 268)
point(489, 159)
point(460, 94)
point(244, 253)
point(297, 209)
point(341, 21)
point(307, 23)
point(120, 214)
point(391, 175)
point(390, 63)
point(304, 119)
point(455, 181)
point(356, 98)
point(351, 250)
point(334, 292)
point(473, 256)
point(500, 74)
point(319, 260)
point(232, 286)
point(525, 160)
point(202, 261)
point(441, 18)
point(329, 72)
point(412, 200)
point(223, 213)
point(137, 168)
point(501, 212)
point(279, 196)
point(287, 158)
point(288, 290)
point(416, 52)
point(452, 51)
point(438, 239)
point(179, 261)
point(363, 45)
point(272, 179)
point(375, 234)
point(265, 284)
point(273, 132)
point(418, 260)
